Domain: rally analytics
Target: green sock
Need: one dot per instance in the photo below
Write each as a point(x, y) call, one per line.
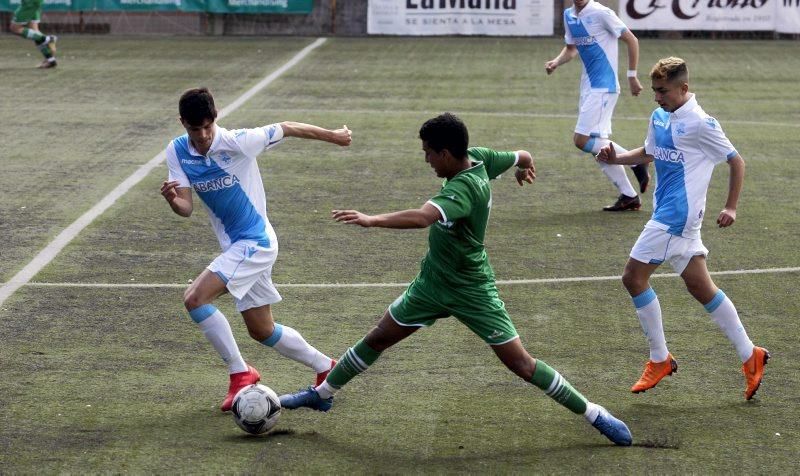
point(46, 51)
point(356, 360)
point(557, 388)
point(32, 35)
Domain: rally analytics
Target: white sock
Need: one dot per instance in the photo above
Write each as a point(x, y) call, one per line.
point(289, 343)
point(615, 173)
point(592, 411)
point(325, 390)
point(218, 331)
point(723, 312)
point(648, 309)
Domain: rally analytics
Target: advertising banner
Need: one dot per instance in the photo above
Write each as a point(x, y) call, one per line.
point(212, 6)
point(788, 16)
point(460, 17)
point(718, 15)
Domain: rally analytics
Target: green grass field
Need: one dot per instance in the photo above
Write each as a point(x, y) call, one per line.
point(118, 379)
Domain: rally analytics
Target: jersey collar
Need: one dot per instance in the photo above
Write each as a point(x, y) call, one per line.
point(687, 106)
point(214, 143)
point(589, 6)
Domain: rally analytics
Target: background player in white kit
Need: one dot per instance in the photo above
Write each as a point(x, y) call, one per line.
point(221, 167)
point(591, 30)
point(686, 144)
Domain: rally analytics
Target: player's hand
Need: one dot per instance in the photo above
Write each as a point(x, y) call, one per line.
point(342, 136)
point(551, 66)
point(726, 217)
point(168, 190)
point(525, 175)
point(352, 217)
point(607, 154)
point(635, 85)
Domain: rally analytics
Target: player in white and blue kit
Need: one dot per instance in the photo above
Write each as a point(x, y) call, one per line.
point(591, 30)
point(686, 144)
point(220, 165)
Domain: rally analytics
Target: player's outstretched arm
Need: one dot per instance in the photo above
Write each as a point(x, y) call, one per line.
point(526, 171)
point(728, 214)
point(341, 136)
point(608, 155)
point(566, 55)
point(633, 60)
point(414, 218)
point(179, 198)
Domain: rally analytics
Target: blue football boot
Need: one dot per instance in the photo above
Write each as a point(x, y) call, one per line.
point(308, 398)
point(613, 428)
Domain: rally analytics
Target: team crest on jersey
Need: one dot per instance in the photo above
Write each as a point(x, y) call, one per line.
point(711, 122)
point(680, 129)
point(225, 158)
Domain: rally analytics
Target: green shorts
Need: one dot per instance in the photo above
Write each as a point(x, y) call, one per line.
point(478, 307)
point(28, 11)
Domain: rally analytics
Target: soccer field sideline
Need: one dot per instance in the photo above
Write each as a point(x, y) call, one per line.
point(577, 279)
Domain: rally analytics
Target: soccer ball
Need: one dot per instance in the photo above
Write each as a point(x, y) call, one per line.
point(256, 409)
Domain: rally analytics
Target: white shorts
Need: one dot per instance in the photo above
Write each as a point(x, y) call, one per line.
point(655, 246)
point(246, 269)
point(595, 109)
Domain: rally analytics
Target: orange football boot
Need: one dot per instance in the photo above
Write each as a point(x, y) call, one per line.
point(239, 380)
point(654, 372)
point(753, 370)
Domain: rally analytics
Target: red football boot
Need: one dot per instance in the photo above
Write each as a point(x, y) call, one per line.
point(239, 380)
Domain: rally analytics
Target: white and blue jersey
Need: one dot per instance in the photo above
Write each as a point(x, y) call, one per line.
point(686, 145)
point(594, 32)
point(228, 181)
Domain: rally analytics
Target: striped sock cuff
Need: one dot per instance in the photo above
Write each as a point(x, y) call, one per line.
point(275, 337)
point(712, 305)
point(202, 313)
point(644, 298)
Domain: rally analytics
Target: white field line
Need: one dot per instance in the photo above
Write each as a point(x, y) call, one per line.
point(509, 114)
point(69, 233)
point(578, 279)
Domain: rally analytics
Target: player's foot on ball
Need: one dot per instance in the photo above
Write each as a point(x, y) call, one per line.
point(50, 40)
point(323, 375)
point(239, 380)
point(308, 398)
point(624, 203)
point(654, 372)
point(753, 370)
point(642, 176)
point(48, 63)
point(613, 428)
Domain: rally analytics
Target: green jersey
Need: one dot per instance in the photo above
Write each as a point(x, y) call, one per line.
point(456, 247)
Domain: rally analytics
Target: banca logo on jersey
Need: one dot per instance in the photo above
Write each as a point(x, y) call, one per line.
point(584, 40)
point(669, 155)
point(218, 183)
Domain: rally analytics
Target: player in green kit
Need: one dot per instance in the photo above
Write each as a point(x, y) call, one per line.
point(25, 23)
point(456, 278)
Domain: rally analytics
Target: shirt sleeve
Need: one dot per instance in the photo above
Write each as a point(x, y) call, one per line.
point(713, 142)
point(650, 140)
point(174, 167)
point(453, 200)
point(495, 162)
point(567, 33)
point(613, 23)
point(253, 142)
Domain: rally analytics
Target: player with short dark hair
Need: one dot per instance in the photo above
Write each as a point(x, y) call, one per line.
point(456, 278)
point(220, 165)
point(686, 144)
point(25, 23)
